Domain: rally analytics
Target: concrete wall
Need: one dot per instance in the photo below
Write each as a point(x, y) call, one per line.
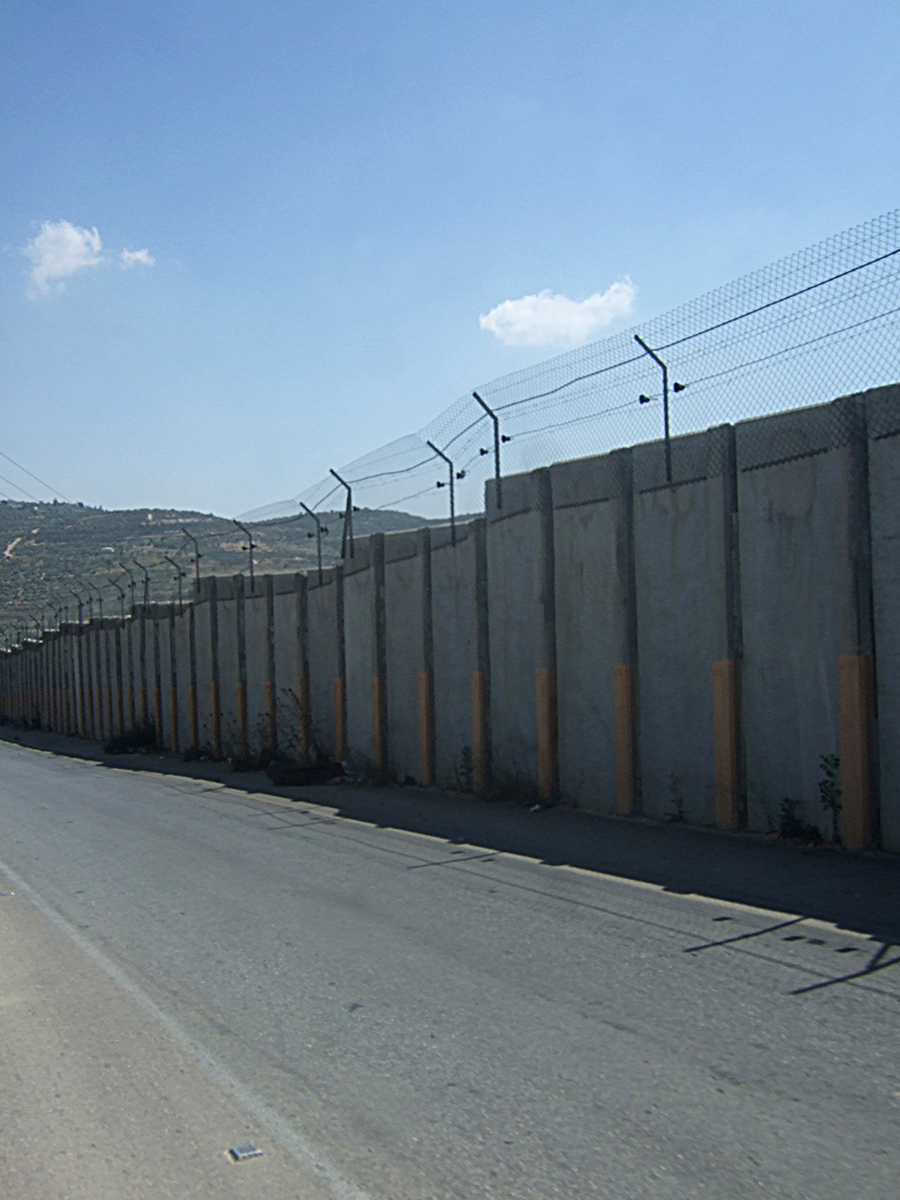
point(883, 422)
point(255, 618)
point(455, 651)
point(324, 666)
point(404, 568)
point(687, 646)
point(228, 672)
point(591, 621)
point(286, 669)
point(359, 631)
point(512, 570)
point(791, 483)
point(679, 570)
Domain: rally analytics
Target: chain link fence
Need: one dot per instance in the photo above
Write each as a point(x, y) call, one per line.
point(816, 325)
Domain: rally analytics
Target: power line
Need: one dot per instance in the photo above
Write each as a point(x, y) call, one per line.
point(19, 489)
point(35, 478)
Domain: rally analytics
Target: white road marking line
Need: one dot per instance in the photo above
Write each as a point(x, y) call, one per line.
point(252, 1104)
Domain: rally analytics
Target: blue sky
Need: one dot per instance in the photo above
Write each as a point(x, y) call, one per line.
point(329, 196)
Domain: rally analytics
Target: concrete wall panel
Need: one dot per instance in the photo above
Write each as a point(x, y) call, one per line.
point(884, 492)
point(323, 658)
point(285, 608)
point(512, 546)
point(403, 607)
point(228, 672)
point(204, 673)
point(360, 642)
point(792, 504)
point(590, 627)
point(455, 653)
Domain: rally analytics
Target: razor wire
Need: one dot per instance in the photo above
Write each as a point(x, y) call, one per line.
point(813, 326)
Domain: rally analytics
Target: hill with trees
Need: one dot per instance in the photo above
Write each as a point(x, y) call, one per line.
point(47, 550)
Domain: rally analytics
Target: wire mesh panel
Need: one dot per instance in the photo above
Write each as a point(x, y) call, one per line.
point(818, 324)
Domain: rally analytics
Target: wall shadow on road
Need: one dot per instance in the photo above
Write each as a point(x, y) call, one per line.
point(859, 892)
point(856, 891)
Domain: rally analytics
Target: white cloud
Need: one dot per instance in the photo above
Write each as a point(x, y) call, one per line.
point(549, 319)
point(131, 258)
point(59, 250)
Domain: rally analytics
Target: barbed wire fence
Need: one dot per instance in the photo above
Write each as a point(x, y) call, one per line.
point(813, 326)
point(816, 325)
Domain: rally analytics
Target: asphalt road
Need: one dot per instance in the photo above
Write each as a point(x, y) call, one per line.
point(388, 1015)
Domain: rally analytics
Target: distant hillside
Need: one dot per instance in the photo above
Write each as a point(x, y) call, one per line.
point(44, 546)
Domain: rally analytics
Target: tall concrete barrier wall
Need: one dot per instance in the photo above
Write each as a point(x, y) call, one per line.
point(712, 647)
point(409, 691)
point(363, 618)
point(459, 659)
point(513, 541)
point(326, 688)
point(883, 429)
point(595, 630)
point(681, 553)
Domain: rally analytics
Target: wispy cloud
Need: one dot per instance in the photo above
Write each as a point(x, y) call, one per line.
point(134, 258)
point(62, 249)
point(550, 319)
point(59, 250)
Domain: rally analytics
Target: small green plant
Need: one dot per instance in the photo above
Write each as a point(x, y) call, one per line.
point(676, 800)
point(830, 792)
